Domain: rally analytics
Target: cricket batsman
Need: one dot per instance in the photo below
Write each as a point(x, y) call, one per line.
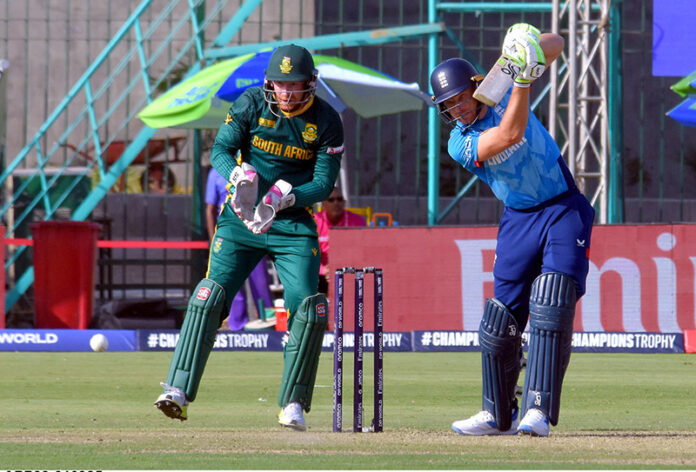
point(290, 145)
point(542, 250)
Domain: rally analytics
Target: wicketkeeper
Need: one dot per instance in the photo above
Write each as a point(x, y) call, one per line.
point(541, 258)
point(290, 144)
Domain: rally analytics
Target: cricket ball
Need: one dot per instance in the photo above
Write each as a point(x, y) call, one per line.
point(99, 343)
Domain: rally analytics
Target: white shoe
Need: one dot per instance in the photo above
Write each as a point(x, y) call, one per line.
point(292, 417)
point(534, 423)
point(483, 424)
point(173, 402)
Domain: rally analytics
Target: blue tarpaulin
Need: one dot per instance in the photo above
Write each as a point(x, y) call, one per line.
point(673, 37)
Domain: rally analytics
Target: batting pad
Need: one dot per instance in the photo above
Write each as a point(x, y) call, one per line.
point(302, 352)
point(500, 361)
point(551, 313)
point(197, 337)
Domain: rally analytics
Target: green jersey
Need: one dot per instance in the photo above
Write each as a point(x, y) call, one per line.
point(304, 149)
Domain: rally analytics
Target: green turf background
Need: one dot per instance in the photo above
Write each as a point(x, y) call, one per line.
point(94, 411)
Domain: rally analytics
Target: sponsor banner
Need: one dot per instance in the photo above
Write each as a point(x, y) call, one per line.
point(419, 341)
point(645, 343)
point(165, 340)
point(445, 341)
point(63, 339)
point(392, 342)
point(642, 278)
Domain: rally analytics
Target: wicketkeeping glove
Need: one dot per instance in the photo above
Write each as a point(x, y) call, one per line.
point(246, 189)
point(276, 199)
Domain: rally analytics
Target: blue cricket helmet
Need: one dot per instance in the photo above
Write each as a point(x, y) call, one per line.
point(449, 79)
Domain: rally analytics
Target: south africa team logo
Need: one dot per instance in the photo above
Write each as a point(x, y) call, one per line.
point(310, 133)
point(217, 246)
point(285, 66)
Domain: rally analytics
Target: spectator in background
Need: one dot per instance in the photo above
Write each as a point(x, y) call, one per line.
point(333, 213)
point(153, 179)
point(215, 194)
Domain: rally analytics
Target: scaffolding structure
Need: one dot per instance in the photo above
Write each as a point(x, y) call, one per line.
point(582, 91)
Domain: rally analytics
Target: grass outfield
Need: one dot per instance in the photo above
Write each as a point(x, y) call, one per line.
point(94, 411)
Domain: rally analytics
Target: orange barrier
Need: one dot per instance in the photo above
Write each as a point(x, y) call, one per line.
point(382, 219)
point(690, 341)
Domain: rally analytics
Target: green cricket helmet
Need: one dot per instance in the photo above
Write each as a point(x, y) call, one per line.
point(290, 63)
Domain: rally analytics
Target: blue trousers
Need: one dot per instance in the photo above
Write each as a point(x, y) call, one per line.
point(552, 237)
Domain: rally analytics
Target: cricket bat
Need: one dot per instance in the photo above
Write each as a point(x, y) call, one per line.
point(496, 83)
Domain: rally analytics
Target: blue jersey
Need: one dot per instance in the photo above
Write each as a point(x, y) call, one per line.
point(216, 189)
point(522, 176)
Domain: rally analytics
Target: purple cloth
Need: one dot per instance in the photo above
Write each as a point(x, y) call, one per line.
point(215, 194)
point(215, 188)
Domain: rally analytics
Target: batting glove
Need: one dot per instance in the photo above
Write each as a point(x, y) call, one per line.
point(521, 30)
point(526, 55)
point(246, 190)
point(276, 199)
point(535, 64)
point(522, 46)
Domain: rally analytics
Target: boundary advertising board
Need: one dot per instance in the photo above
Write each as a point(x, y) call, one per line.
point(641, 278)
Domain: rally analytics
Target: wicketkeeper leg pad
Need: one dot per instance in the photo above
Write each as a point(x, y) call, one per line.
point(197, 337)
point(500, 342)
point(302, 351)
point(551, 313)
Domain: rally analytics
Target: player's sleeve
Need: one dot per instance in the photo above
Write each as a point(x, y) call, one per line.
point(464, 148)
point(231, 135)
point(327, 165)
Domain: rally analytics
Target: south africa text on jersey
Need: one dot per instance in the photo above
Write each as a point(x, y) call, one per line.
point(279, 149)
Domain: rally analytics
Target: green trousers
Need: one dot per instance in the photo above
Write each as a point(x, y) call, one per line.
point(294, 248)
point(235, 251)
